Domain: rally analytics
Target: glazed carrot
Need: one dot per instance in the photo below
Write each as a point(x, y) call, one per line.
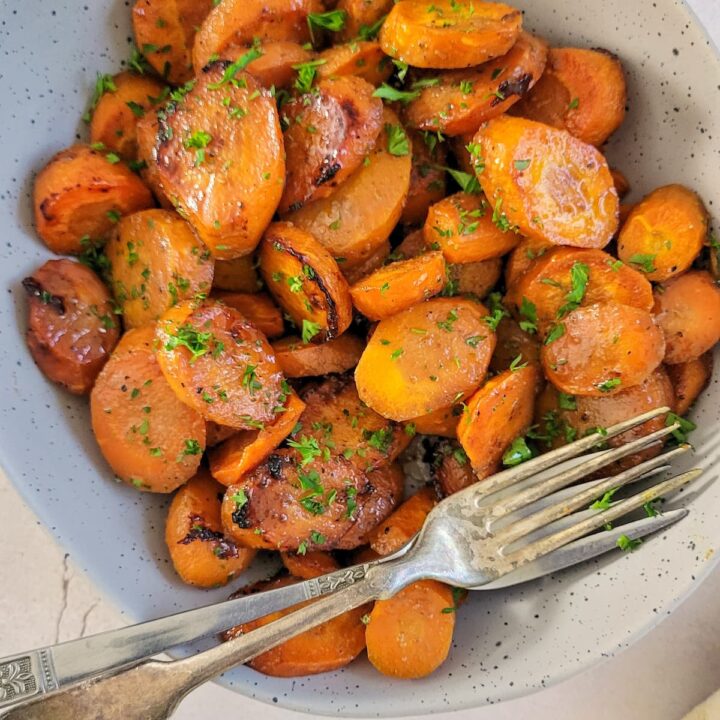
point(523, 160)
point(688, 311)
point(156, 261)
point(220, 365)
point(427, 179)
point(275, 66)
point(463, 99)
point(258, 308)
point(514, 345)
point(409, 635)
point(522, 257)
point(310, 564)
point(297, 359)
point(306, 282)
point(689, 379)
point(114, 118)
point(622, 184)
point(199, 551)
point(411, 246)
point(454, 472)
point(362, 58)
point(566, 278)
point(582, 91)
point(498, 413)
point(243, 452)
point(476, 278)
point(442, 422)
point(234, 524)
point(329, 133)
point(463, 226)
point(602, 349)
point(72, 328)
point(447, 34)
point(238, 275)
point(394, 532)
point(215, 434)
point(420, 359)
point(399, 285)
point(81, 194)
point(362, 17)
point(357, 219)
point(378, 258)
point(150, 439)
point(664, 233)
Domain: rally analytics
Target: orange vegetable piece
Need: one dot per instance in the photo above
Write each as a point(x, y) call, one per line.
point(427, 178)
point(462, 225)
point(442, 422)
point(513, 343)
point(275, 66)
point(219, 364)
point(522, 257)
point(361, 16)
point(420, 359)
point(200, 552)
point(664, 233)
point(243, 452)
point(258, 308)
point(362, 58)
point(367, 266)
point(297, 359)
point(310, 565)
point(397, 530)
point(412, 245)
point(498, 413)
point(454, 472)
point(689, 379)
point(215, 434)
point(306, 282)
point(582, 91)
point(399, 285)
point(80, 194)
point(234, 524)
point(688, 311)
point(603, 349)
point(551, 185)
point(476, 278)
point(150, 439)
point(447, 34)
point(238, 275)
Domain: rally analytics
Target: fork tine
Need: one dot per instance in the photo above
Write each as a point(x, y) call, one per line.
point(566, 452)
point(582, 528)
point(580, 499)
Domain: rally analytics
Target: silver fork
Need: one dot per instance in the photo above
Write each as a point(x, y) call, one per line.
point(470, 540)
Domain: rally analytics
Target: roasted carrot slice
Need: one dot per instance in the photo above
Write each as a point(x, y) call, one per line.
point(498, 413)
point(602, 349)
point(234, 523)
point(362, 58)
point(114, 118)
point(215, 434)
point(514, 346)
point(689, 379)
point(475, 278)
point(363, 17)
point(394, 532)
point(306, 281)
point(218, 157)
point(454, 472)
point(200, 552)
point(442, 422)
point(238, 275)
point(329, 133)
point(688, 311)
point(275, 66)
point(449, 34)
point(298, 359)
point(523, 161)
point(463, 99)
point(399, 285)
point(664, 233)
point(355, 222)
point(427, 179)
point(566, 278)
point(220, 365)
point(71, 325)
point(150, 439)
point(81, 194)
point(409, 635)
point(243, 452)
point(156, 261)
point(367, 266)
point(466, 229)
point(258, 308)
point(420, 359)
point(309, 565)
point(522, 257)
point(582, 91)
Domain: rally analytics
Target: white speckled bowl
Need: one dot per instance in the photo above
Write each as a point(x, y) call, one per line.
point(508, 643)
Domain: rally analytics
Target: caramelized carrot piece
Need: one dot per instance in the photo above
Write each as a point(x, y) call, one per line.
point(238, 275)
point(310, 564)
point(275, 67)
point(689, 379)
point(442, 422)
point(412, 245)
point(235, 526)
point(362, 16)
point(367, 266)
point(297, 359)
point(427, 179)
point(454, 472)
point(394, 532)
point(258, 308)
point(522, 257)
point(514, 346)
point(362, 58)
point(215, 434)
point(200, 552)
point(475, 278)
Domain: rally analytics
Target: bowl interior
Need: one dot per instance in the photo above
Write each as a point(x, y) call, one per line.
point(508, 643)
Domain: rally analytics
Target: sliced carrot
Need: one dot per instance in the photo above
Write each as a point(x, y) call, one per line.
point(234, 522)
point(200, 552)
point(362, 58)
point(412, 245)
point(370, 264)
point(664, 233)
point(258, 308)
point(298, 359)
point(362, 16)
point(689, 379)
point(514, 346)
point(215, 434)
point(243, 452)
point(442, 422)
point(310, 564)
point(475, 278)
point(454, 472)
point(275, 67)
point(522, 257)
point(238, 275)
point(404, 523)
point(498, 413)
point(602, 349)
point(427, 179)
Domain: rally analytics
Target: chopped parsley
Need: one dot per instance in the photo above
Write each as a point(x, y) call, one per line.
point(579, 277)
point(309, 330)
point(528, 313)
point(398, 142)
point(628, 545)
point(198, 343)
point(308, 447)
point(646, 263)
point(234, 68)
point(686, 427)
point(306, 74)
point(388, 92)
point(609, 385)
point(517, 453)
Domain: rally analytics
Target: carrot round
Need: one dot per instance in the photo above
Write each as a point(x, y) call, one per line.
point(448, 33)
point(498, 413)
point(688, 311)
point(378, 258)
point(310, 564)
point(394, 532)
point(258, 308)
point(362, 16)
point(664, 233)
point(80, 194)
point(522, 258)
point(523, 161)
point(200, 552)
point(156, 261)
point(514, 345)
point(427, 179)
point(602, 349)
point(362, 58)
point(475, 278)
point(689, 379)
point(150, 439)
point(215, 434)
point(297, 359)
point(442, 422)
point(274, 68)
point(238, 275)
point(420, 359)
point(454, 472)
point(243, 452)
point(306, 281)
point(464, 228)
point(219, 364)
point(234, 522)
point(399, 285)
point(412, 245)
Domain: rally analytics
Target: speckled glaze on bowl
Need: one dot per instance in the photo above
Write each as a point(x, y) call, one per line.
point(507, 643)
